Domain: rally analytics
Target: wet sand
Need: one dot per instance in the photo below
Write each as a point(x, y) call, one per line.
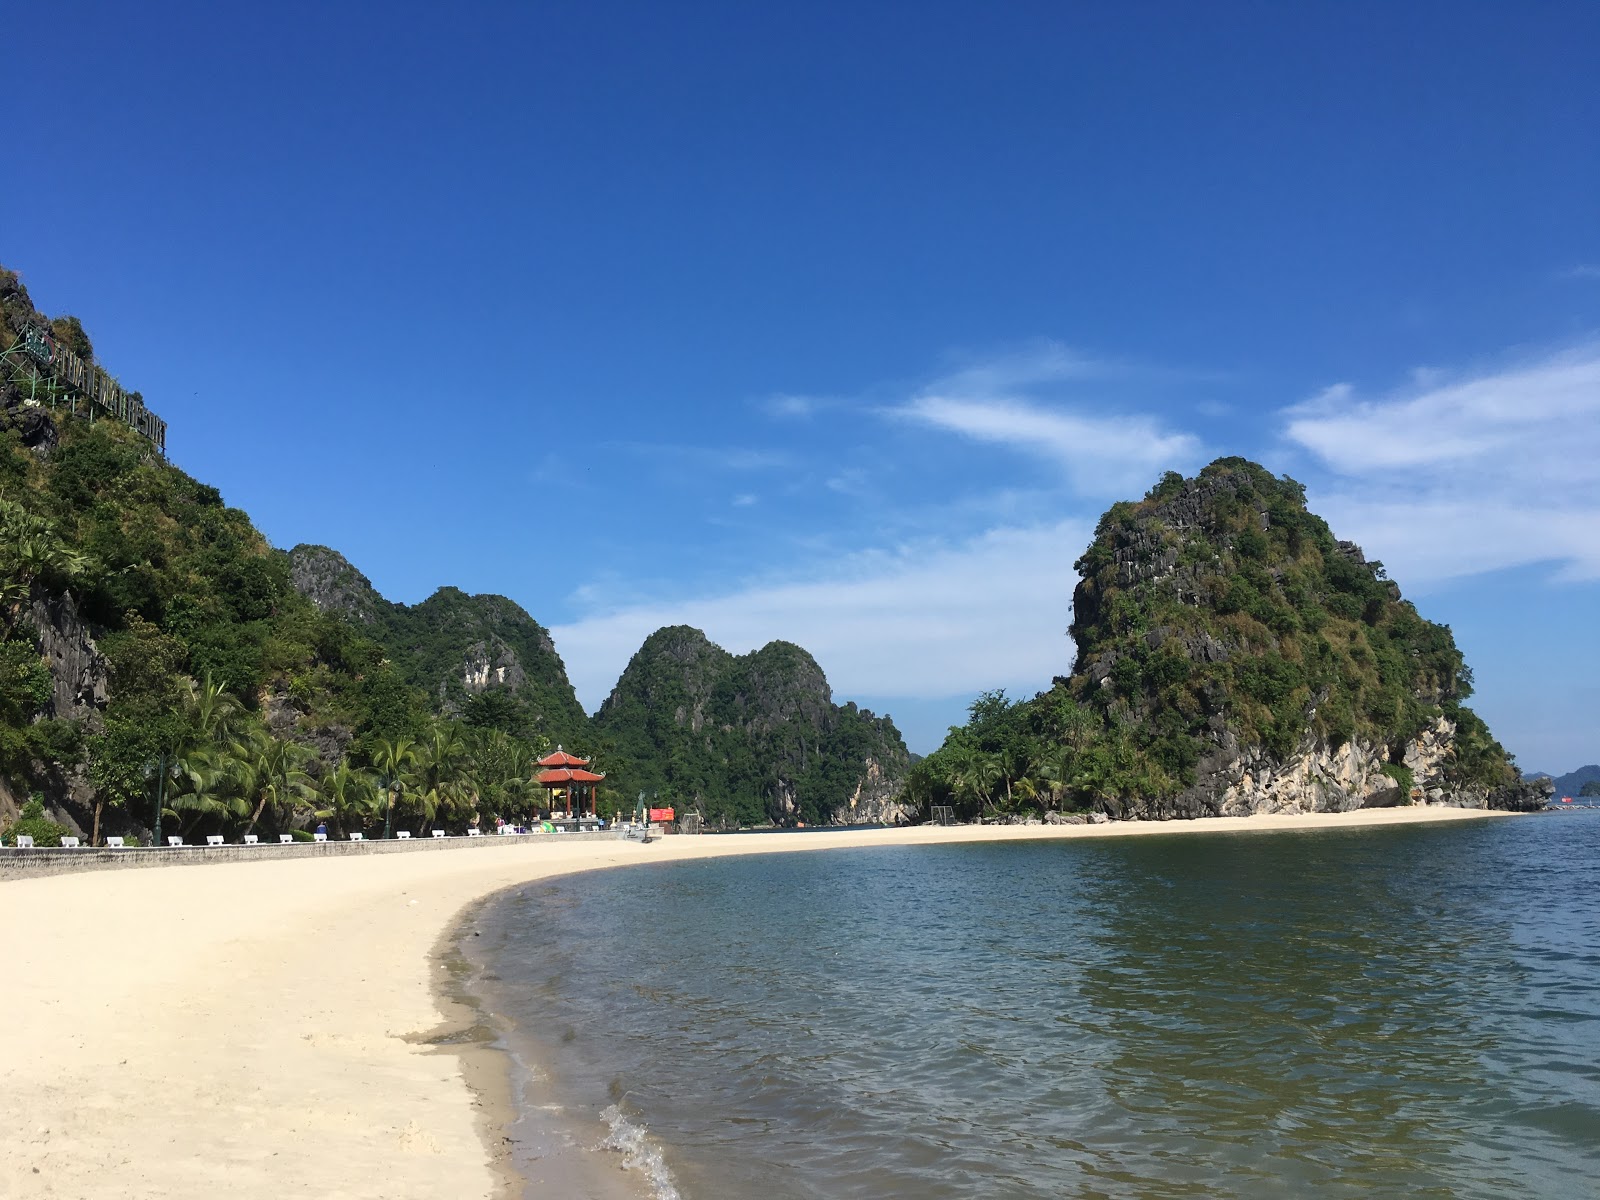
point(271, 1029)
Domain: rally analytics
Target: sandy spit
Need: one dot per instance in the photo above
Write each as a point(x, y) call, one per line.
point(259, 1029)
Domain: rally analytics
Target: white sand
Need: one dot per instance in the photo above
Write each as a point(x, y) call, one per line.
point(240, 1030)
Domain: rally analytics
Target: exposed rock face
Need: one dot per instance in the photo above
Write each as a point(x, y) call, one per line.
point(877, 800)
point(1264, 666)
point(746, 739)
point(328, 580)
point(78, 671)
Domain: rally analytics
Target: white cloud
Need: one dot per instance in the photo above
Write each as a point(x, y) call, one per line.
point(1100, 454)
point(925, 621)
point(1102, 451)
point(1582, 271)
point(1454, 477)
point(744, 500)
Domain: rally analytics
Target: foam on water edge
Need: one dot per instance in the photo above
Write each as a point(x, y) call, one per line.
point(639, 1153)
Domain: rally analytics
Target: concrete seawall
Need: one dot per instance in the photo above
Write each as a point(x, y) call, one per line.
point(34, 863)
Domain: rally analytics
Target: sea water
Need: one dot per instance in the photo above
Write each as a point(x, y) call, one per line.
point(1409, 1010)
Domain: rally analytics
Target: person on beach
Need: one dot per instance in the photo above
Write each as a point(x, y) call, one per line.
point(322, 828)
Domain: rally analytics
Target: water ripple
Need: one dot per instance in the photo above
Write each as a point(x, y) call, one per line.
point(1355, 1013)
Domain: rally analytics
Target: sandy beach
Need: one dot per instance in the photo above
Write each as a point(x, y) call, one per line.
point(262, 1029)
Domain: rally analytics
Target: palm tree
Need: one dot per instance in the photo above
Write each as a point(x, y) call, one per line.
point(209, 787)
point(392, 762)
point(212, 712)
point(272, 773)
point(443, 768)
point(349, 793)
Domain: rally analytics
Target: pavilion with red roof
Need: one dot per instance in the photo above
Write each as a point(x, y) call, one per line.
point(569, 773)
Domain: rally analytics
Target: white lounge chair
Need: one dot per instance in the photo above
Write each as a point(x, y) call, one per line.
point(403, 834)
point(175, 840)
point(438, 833)
point(24, 841)
point(356, 837)
point(250, 839)
point(474, 833)
point(285, 838)
point(213, 839)
point(70, 843)
point(316, 837)
point(116, 843)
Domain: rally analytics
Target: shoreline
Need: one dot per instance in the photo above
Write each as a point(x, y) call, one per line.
point(265, 1028)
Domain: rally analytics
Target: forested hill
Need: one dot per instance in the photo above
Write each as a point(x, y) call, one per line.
point(146, 626)
point(482, 658)
point(745, 739)
point(153, 646)
point(1233, 656)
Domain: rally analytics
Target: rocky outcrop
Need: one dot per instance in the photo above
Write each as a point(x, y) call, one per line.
point(746, 739)
point(453, 646)
point(79, 674)
point(329, 580)
point(877, 799)
point(1244, 660)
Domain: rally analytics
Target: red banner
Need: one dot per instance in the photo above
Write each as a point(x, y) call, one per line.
point(661, 814)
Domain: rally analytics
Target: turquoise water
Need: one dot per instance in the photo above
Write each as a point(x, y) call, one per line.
point(1409, 1010)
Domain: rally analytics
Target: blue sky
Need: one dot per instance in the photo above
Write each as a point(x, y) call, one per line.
point(842, 323)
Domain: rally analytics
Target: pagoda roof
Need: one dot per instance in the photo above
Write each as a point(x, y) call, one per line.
point(562, 759)
point(567, 775)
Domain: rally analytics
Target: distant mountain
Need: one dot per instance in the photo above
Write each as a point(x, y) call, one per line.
point(745, 739)
point(481, 657)
point(1571, 783)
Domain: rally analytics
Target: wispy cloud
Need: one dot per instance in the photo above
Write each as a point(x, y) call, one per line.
point(929, 620)
point(793, 407)
point(726, 458)
point(1101, 452)
point(1581, 271)
point(1453, 476)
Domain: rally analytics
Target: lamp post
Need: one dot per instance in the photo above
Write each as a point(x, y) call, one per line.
point(161, 792)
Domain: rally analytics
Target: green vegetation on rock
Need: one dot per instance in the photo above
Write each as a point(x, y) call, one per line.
point(1225, 640)
point(746, 739)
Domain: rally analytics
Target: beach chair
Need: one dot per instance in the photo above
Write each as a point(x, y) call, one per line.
point(70, 843)
point(24, 841)
point(175, 840)
point(438, 833)
point(474, 833)
point(318, 837)
point(213, 839)
point(403, 835)
point(115, 843)
point(505, 829)
point(357, 837)
point(250, 839)
point(285, 838)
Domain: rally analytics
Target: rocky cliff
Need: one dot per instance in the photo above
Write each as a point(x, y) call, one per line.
point(746, 739)
point(1248, 661)
point(480, 656)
